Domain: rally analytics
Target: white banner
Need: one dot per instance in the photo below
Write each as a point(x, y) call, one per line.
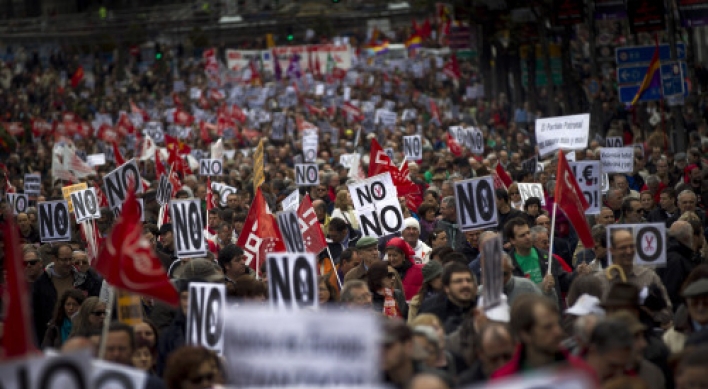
point(562, 132)
point(617, 159)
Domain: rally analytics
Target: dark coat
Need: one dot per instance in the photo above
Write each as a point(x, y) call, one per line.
point(450, 314)
point(562, 278)
point(171, 339)
point(377, 302)
point(336, 248)
point(472, 376)
point(680, 261)
point(166, 255)
point(658, 215)
point(455, 236)
point(470, 253)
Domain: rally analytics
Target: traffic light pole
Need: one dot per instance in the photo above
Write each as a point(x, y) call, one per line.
point(679, 138)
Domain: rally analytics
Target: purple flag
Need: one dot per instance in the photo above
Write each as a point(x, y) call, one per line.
point(294, 67)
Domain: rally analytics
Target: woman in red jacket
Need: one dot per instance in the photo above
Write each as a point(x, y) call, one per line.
point(402, 258)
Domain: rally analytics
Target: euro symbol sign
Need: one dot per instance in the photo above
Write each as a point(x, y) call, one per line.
point(587, 175)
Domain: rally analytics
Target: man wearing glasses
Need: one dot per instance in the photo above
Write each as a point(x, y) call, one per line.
point(33, 265)
point(59, 277)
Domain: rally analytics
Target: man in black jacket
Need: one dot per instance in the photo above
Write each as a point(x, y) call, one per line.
point(667, 210)
point(680, 260)
point(532, 263)
point(460, 297)
point(58, 277)
point(165, 248)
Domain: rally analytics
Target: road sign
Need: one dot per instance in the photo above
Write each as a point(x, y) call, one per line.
point(631, 55)
point(672, 79)
point(627, 93)
point(634, 74)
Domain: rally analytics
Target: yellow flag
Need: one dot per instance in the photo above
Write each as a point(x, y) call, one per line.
point(270, 43)
point(68, 190)
point(130, 308)
point(258, 174)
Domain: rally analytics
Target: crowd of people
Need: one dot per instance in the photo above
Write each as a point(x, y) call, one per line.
point(622, 324)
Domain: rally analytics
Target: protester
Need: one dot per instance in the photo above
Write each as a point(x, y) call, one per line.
point(61, 324)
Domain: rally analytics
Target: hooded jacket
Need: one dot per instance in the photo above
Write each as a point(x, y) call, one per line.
point(411, 273)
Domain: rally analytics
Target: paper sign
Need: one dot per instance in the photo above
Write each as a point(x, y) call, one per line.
point(531, 190)
point(68, 190)
point(562, 132)
point(617, 159)
point(587, 174)
point(649, 243)
point(33, 184)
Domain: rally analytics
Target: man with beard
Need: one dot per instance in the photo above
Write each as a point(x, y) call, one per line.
point(460, 297)
point(535, 322)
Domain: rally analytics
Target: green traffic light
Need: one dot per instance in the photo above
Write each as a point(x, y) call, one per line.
point(290, 37)
point(158, 56)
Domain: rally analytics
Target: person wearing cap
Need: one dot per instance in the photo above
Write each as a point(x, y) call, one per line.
point(432, 285)
point(696, 295)
point(411, 234)
point(637, 365)
point(402, 258)
point(165, 248)
point(367, 248)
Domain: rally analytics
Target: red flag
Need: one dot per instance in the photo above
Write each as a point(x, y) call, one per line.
point(128, 262)
point(203, 101)
point(452, 68)
point(379, 162)
point(434, 112)
point(124, 125)
point(260, 234)
point(310, 227)
point(454, 147)
point(504, 176)
point(237, 114)
point(14, 128)
point(18, 340)
point(173, 143)
point(310, 62)
point(116, 153)
point(135, 109)
point(176, 100)
point(571, 200)
point(77, 77)
point(159, 167)
point(352, 111)
point(426, 30)
point(102, 200)
point(204, 129)
point(183, 118)
point(40, 127)
point(318, 68)
point(107, 134)
point(174, 180)
point(255, 75)
point(414, 27)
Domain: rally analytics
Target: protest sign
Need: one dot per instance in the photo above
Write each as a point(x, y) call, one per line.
point(68, 190)
point(18, 202)
point(164, 190)
point(292, 279)
point(223, 191)
point(617, 159)
point(562, 132)
point(309, 148)
point(614, 141)
point(377, 206)
point(493, 278)
point(291, 202)
point(86, 205)
point(587, 174)
point(649, 241)
point(413, 147)
point(205, 315)
point(54, 222)
point(290, 231)
point(106, 375)
point(476, 204)
point(119, 180)
point(94, 160)
point(267, 347)
point(33, 184)
point(531, 190)
point(307, 174)
point(188, 231)
point(66, 371)
point(210, 167)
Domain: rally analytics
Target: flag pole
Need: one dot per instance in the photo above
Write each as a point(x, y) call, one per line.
point(551, 234)
point(334, 267)
point(106, 321)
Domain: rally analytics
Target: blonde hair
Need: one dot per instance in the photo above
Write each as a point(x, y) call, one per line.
point(426, 319)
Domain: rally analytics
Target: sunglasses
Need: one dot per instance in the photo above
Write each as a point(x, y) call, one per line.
point(32, 262)
point(99, 313)
point(209, 377)
point(81, 263)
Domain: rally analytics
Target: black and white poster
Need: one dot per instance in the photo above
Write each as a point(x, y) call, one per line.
point(164, 191)
point(223, 191)
point(614, 141)
point(309, 148)
point(66, 371)
point(155, 131)
point(649, 243)
point(413, 147)
point(119, 180)
point(289, 227)
point(292, 280)
point(105, 375)
point(588, 176)
point(19, 202)
point(33, 184)
point(376, 203)
point(531, 190)
point(205, 315)
point(211, 167)
point(307, 174)
point(54, 221)
point(187, 228)
point(86, 205)
point(476, 204)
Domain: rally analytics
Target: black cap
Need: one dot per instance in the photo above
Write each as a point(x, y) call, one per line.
point(167, 227)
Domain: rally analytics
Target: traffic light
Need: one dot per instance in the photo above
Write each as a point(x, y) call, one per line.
point(158, 52)
point(289, 36)
point(158, 55)
point(335, 1)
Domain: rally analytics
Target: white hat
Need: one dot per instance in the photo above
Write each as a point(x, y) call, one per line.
point(586, 305)
point(411, 222)
point(498, 313)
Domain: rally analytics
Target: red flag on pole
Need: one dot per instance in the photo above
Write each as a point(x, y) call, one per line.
point(18, 340)
point(309, 225)
point(260, 234)
point(116, 153)
point(503, 175)
point(128, 262)
point(454, 147)
point(571, 200)
point(77, 77)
